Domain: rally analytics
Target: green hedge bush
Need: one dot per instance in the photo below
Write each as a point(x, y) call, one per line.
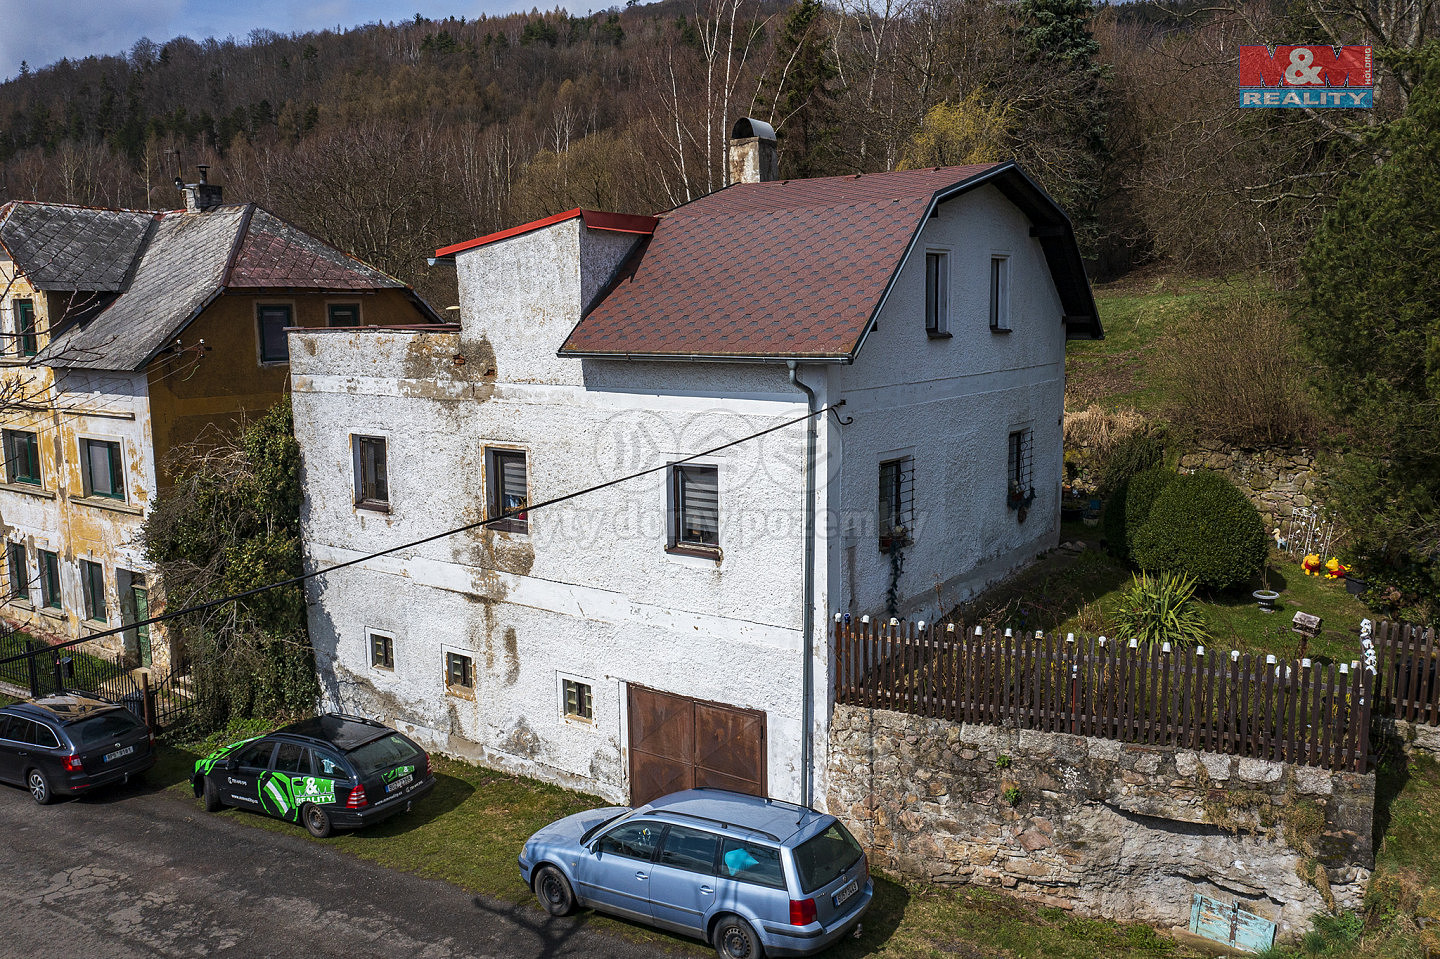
point(1203, 526)
point(1130, 507)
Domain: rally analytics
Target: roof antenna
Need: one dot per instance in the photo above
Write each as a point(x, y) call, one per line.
point(179, 168)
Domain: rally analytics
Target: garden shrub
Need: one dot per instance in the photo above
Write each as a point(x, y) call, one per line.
point(1135, 452)
point(1130, 507)
point(1160, 609)
point(1201, 525)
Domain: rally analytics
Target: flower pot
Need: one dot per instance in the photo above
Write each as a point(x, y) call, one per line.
point(1265, 598)
point(1355, 586)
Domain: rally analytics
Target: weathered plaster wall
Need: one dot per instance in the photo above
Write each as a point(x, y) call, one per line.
point(1098, 827)
point(952, 403)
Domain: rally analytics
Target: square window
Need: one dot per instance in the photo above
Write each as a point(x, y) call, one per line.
point(92, 578)
point(19, 569)
point(508, 490)
point(343, 314)
point(1018, 483)
point(937, 294)
point(999, 293)
point(577, 703)
point(372, 483)
point(22, 457)
point(382, 651)
point(897, 493)
point(100, 464)
point(695, 509)
point(273, 319)
point(50, 580)
point(25, 336)
point(459, 671)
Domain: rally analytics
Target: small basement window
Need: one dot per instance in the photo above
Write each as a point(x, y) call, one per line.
point(372, 480)
point(459, 671)
point(578, 704)
point(382, 651)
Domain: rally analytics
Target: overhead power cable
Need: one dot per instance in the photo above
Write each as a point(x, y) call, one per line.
point(504, 515)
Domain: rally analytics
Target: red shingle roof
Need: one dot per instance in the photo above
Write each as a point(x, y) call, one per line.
point(793, 268)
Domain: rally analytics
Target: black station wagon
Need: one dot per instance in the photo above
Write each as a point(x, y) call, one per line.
point(71, 743)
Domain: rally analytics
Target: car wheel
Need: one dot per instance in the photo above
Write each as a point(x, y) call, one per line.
point(554, 892)
point(316, 821)
point(734, 939)
point(39, 787)
point(211, 794)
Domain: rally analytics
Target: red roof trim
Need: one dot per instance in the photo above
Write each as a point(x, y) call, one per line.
point(593, 219)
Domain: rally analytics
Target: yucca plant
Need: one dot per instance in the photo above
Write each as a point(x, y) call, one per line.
point(1161, 609)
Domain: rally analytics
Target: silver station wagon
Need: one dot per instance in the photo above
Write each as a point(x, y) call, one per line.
point(752, 876)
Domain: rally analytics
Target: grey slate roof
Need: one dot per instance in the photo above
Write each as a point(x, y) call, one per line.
point(158, 270)
point(69, 248)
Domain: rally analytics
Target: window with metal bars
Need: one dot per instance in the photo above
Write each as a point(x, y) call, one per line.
point(508, 489)
point(459, 671)
point(578, 703)
point(372, 480)
point(897, 499)
point(1018, 480)
point(695, 509)
point(382, 651)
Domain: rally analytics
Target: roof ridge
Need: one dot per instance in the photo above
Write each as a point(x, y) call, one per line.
point(236, 244)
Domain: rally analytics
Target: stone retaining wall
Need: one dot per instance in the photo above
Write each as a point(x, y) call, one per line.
point(1105, 829)
point(1277, 479)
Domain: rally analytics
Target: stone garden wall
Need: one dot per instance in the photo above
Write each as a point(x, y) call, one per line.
point(1099, 827)
point(1277, 479)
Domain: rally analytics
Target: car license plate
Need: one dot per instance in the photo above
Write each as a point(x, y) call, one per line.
point(119, 753)
point(400, 783)
point(850, 889)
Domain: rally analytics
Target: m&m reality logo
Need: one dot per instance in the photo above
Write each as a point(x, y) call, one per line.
point(1307, 76)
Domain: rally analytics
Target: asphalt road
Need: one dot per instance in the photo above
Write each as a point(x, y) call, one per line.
point(137, 873)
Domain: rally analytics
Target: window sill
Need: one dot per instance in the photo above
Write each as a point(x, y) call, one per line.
point(53, 612)
point(886, 542)
point(460, 692)
point(22, 602)
point(28, 489)
point(510, 526)
point(573, 720)
point(999, 329)
point(114, 505)
point(939, 334)
point(699, 552)
point(382, 669)
point(370, 506)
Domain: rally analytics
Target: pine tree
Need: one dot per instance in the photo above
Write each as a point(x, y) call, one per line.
point(804, 105)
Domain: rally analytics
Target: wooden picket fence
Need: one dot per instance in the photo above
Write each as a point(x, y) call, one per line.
point(1296, 712)
point(1406, 682)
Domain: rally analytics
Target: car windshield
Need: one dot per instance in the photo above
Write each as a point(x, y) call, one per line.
point(381, 754)
point(108, 725)
point(821, 859)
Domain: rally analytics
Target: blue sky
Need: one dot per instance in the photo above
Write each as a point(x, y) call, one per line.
point(43, 31)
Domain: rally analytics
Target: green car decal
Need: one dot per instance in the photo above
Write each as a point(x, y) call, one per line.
point(282, 795)
point(203, 766)
point(313, 789)
point(398, 772)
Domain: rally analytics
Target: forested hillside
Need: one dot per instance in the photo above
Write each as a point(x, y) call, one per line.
point(389, 140)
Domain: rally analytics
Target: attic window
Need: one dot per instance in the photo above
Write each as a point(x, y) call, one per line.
point(25, 328)
point(937, 294)
point(1000, 294)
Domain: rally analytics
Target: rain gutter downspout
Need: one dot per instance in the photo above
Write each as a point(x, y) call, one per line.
point(807, 615)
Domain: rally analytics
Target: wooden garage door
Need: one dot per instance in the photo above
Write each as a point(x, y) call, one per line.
point(680, 743)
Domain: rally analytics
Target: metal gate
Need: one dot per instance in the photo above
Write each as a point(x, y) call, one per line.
point(679, 743)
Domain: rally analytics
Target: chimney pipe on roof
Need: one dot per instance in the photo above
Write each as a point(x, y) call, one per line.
point(753, 156)
point(201, 196)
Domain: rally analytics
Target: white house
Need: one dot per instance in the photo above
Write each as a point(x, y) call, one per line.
point(652, 633)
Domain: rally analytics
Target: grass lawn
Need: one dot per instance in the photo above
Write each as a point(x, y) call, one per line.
point(1136, 314)
point(1080, 595)
point(470, 829)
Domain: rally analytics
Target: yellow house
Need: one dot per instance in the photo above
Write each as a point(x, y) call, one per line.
point(124, 335)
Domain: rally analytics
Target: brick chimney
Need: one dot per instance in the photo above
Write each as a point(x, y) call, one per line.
point(201, 196)
point(753, 158)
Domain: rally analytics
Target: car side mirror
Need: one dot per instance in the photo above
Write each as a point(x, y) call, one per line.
point(232, 764)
